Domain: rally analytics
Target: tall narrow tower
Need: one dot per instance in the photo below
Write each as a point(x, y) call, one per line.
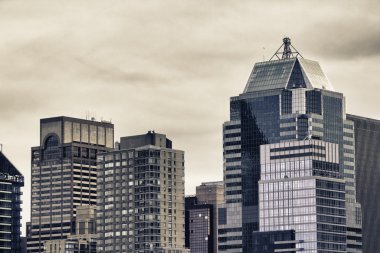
point(64, 176)
point(289, 125)
point(11, 181)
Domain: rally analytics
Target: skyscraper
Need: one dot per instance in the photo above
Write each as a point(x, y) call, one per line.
point(289, 118)
point(11, 181)
point(199, 226)
point(301, 189)
point(64, 175)
point(212, 193)
point(141, 197)
point(84, 239)
point(367, 164)
point(201, 220)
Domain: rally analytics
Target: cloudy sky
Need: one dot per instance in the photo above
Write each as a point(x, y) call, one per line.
point(168, 66)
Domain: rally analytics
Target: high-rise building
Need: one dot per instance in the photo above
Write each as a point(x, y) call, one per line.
point(201, 217)
point(212, 193)
point(84, 239)
point(301, 189)
point(288, 134)
point(64, 175)
point(11, 181)
point(272, 242)
point(199, 226)
point(141, 201)
point(367, 164)
point(23, 244)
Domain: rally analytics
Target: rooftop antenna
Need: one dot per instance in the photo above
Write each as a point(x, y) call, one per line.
point(288, 51)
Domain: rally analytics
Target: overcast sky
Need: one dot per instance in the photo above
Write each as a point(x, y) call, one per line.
point(168, 66)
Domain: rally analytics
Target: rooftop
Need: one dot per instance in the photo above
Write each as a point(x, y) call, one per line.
point(8, 171)
point(289, 72)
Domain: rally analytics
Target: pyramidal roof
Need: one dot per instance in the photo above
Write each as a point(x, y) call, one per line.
point(290, 71)
point(7, 167)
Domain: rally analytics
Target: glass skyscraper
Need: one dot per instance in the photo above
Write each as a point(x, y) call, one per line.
point(289, 145)
point(199, 226)
point(201, 218)
point(301, 189)
point(367, 161)
point(11, 181)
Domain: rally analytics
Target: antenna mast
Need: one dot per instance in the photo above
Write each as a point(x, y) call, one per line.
point(288, 51)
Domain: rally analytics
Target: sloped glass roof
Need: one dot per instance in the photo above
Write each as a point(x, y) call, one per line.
point(270, 75)
point(287, 73)
point(297, 79)
point(7, 167)
point(315, 76)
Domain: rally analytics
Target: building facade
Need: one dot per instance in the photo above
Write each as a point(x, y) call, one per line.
point(141, 202)
point(64, 176)
point(201, 217)
point(84, 239)
point(274, 241)
point(301, 189)
point(286, 100)
point(199, 226)
point(367, 163)
point(11, 181)
point(212, 193)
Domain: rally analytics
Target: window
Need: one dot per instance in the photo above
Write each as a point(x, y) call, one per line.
point(81, 228)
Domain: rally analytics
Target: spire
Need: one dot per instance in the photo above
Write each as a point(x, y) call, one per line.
point(287, 52)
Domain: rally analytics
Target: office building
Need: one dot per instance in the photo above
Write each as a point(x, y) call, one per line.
point(64, 176)
point(190, 201)
point(141, 202)
point(11, 181)
point(212, 193)
point(301, 189)
point(288, 130)
point(201, 217)
point(23, 244)
point(84, 238)
point(274, 241)
point(367, 164)
point(199, 226)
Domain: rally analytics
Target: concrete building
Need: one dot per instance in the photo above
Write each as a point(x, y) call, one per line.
point(64, 175)
point(84, 239)
point(141, 197)
point(367, 164)
point(11, 181)
point(289, 107)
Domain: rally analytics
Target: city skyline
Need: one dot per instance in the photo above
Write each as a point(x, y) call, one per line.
point(196, 76)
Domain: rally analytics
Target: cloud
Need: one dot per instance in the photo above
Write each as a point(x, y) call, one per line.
point(166, 65)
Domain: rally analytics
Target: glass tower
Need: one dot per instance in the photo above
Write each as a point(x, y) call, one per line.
point(11, 181)
point(367, 161)
point(290, 120)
